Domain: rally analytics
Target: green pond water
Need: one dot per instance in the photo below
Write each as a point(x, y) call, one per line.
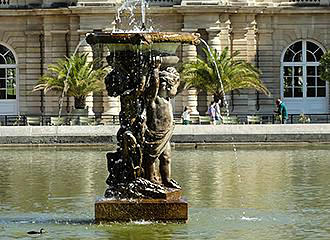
point(268, 192)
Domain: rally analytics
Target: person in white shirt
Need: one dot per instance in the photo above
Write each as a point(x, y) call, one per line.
point(186, 116)
point(218, 117)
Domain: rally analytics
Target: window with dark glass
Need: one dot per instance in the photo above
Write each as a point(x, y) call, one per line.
point(301, 71)
point(7, 74)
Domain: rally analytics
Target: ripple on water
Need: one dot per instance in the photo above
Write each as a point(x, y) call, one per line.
point(263, 194)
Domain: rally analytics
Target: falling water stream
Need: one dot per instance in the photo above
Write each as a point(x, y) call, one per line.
point(218, 74)
point(133, 25)
point(222, 92)
point(143, 14)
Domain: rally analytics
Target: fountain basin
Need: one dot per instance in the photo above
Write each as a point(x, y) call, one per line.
point(160, 43)
point(142, 38)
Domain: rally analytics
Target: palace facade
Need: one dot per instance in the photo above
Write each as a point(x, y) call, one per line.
point(285, 40)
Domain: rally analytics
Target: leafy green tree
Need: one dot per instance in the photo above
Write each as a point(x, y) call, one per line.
point(74, 75)
point(325, 66)
point(234, 74)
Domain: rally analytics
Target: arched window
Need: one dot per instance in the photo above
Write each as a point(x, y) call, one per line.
point(301, 83)
point(8, 70)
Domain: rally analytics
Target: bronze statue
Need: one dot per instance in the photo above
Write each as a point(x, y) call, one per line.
point(144, 78)
point(126, 81)
point(146, 121)
point(159, 124)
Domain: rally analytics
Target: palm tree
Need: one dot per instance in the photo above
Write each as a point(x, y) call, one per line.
point(74, 76)
point(325, 66)
point(234, 74)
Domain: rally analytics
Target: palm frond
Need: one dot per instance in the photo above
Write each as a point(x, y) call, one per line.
point(234, 74)
point(77, 72)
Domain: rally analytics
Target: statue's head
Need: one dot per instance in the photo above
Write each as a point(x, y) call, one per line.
point(169, 81)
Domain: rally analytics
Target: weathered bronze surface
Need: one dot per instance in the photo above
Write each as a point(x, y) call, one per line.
point(146, 119)
point(141, 188)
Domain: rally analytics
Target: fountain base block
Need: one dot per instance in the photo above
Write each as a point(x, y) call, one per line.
point(160, 210)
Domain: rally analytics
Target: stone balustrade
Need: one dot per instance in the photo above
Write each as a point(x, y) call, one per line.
point(4, 4)
point(301, 2)
point(272, 3)
point(162, 3)
point(36, 3)
point(91, 3)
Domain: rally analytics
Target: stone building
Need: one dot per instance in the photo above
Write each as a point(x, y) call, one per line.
point(284, 39)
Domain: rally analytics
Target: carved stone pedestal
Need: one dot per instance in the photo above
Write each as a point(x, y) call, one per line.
point(170, 209)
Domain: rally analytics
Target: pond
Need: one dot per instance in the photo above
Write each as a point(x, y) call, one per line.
point(267, 192)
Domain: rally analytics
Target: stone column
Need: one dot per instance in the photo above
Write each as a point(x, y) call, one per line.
point(111, 105)
point(83, 47)
point(214, 39)
point(251, 40)
point(51, 104)
point(97, 107)
point(225, 31)
point(189, 52)
point(214, 43)
point(189, 97)
point(251, 36)
point(102, 103)
point(226, 39)
point(72, 37)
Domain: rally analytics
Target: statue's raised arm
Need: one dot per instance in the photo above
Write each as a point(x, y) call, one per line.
point(152, 87)
point(159, 125)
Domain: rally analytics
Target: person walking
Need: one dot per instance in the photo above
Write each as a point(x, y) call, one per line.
point(186, 116)
point(211, 111)
point(218, 117)
point(282, 111)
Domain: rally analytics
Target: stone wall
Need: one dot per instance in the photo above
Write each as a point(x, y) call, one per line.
point(193, 134)
point(38, 41)
point(260, 34)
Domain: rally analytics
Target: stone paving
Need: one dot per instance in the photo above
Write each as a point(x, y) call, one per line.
point(266, 133)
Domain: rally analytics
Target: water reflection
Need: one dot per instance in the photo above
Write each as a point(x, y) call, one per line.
point(260, 179)
point(39, 180)
point(267, 193)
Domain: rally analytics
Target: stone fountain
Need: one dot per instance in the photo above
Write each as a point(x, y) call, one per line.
point(144, 78)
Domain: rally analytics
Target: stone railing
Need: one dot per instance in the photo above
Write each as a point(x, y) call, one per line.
point(4, 3)
point(302, 2)
point(241, 3)
point(86, 3)
point(13, 4)
point(91, 3)
point(163, 3)
point(203, 2)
